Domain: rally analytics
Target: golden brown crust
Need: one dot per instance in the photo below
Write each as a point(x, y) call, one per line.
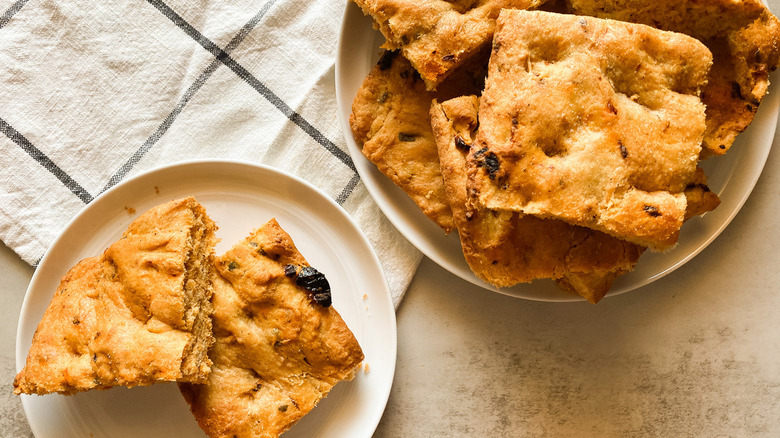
point(437, 36)
point(700, 199)
point(127, 318)
point(390, 121)
point(591, 121)
point(505, 248)
point(277, 353)
point(728, 113)
point(700, 19)
point(756, 52)
point(744, 38)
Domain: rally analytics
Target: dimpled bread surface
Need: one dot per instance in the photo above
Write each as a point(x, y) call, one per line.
point(138, 314)
point(277, 352)
point(390, 123)
point(505, 248)
point(744, 38)
point(437, 36)
point(595, 122)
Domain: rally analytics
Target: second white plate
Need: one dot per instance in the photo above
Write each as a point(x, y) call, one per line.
point(732, 177)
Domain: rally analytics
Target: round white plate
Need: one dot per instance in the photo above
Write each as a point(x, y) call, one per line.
point(732, 177)
point(239, 197)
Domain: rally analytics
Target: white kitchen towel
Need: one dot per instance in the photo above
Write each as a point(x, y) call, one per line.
point(92, 92)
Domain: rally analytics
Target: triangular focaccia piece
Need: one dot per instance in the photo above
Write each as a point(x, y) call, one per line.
point(744, 38)
point(505, 248)
point(390, 122)
point(594, 122)
point(437, 35)
point(139, 314)
point(278, 351)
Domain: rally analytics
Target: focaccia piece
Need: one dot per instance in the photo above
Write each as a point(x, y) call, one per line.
point(703, 19)
point(595, 122)
point(756, 52)
point(744, 38)
point(280, 346)
point(505, 248)
point(699, 198)
point(390, 122)
point(138, 314)
point(437, 36)
point(739, 80)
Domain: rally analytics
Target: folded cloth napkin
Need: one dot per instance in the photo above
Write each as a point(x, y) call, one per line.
point(94, 92)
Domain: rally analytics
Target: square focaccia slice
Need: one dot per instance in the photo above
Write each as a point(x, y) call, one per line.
point(437, 36)
point(744, 38)
point(505, 248)
point(280, 345)
point(138, 314)
point(594, 122)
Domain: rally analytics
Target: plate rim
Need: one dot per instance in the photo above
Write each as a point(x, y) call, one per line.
point(769, 109)
point(382, 390)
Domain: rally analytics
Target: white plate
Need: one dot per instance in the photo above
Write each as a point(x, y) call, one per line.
point(239, 197)
point(732, 177)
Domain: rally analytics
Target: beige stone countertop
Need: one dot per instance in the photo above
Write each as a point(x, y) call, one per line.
point(696, 353)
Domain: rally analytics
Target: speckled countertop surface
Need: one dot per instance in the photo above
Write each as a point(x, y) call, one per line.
point(696, 353)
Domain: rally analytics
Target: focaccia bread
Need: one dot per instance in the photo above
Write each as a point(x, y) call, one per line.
point(390, 122)
point(437, 36)
point(280, 347)
point(138, 314)
point(698, 196)
point(744, 38)
point(595, 122)
point(505, 248)
point(739, 80)
point(704, 19)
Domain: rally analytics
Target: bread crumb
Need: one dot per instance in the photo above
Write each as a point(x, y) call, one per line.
point(366, 369)
point(130, 210)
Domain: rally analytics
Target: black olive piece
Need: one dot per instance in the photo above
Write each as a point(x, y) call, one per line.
point(652, 210)
point(736, 91)
point(491, 164)
point(386, 60)
point(313, 281)
point(290, 271)
point(623, 150)
point(461, 144)
point(405, 137)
